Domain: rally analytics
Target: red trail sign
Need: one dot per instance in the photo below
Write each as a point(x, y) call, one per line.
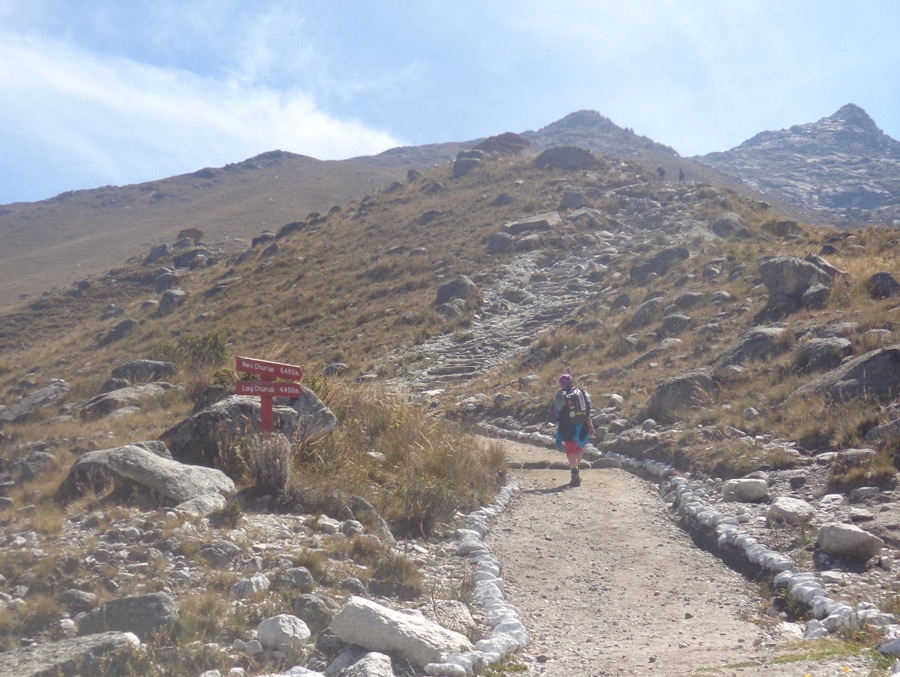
point(268, 388)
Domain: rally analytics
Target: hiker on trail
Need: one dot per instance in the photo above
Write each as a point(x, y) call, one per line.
point(572, 410)
point(661, 173)
point(680, 175)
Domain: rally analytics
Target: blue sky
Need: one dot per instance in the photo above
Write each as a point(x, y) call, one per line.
point(100, 92)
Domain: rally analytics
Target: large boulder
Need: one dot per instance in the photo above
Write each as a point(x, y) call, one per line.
point(537, 223)
point(847, 540)
point(874, 376)
point(139, 371)
point(459, 287)
point(882, 286)
point(377, 628)
point(790, 510)
point(76, 656)
point(688, 390)
point(745, 490)
point(818, 354)
point(170, 480)
point(754, 344)
point(283, 632)
point(198, 438)
point(143, 615)
point(567, 158)
point(659, 264)
point(170, 300)
point(787, 279)
point(106, 403)
point(23, 410)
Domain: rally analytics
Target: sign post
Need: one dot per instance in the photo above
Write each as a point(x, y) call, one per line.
point(267, 388)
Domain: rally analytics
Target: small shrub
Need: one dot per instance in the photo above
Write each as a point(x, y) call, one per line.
point(395, 574)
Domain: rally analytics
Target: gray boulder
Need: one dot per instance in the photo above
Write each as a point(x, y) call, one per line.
point(197, 439)
point(500, 242)
point(157, 252)
point(790, 510)
point(315, 610)
point(459, 287)
point(76, 656)
point(142, 614)
point(886, 435)
point(745, 490)
point(874, 376)
point(754, 344)
point(646, 312)
point(787, 278)
point(377, 628)
point(170, 300)
point(283, 632)
point(170, 480)
point(847, 540)
point(373, 664)
point(660, 264)
point(139, 371)
point(118, 332)
point(537, 223)
point(882, 286)
point(821, 353)
point(566, 157)
point(727, 223)
point(106, 403)
point(688, 390)
point(23, 410)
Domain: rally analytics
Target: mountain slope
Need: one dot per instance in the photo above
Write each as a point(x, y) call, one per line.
point(841, 169)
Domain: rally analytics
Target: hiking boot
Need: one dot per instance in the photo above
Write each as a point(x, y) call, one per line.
point(576, 479)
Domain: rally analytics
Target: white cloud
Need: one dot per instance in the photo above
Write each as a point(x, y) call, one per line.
point(119, 121)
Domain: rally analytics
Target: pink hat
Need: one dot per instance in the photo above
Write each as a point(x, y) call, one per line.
point(565, 380)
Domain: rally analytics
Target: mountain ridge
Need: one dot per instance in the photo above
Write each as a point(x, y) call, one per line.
point(76, 234)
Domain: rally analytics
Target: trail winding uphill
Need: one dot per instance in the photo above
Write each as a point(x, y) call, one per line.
point(607, 584)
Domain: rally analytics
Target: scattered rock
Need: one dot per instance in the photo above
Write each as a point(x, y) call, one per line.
point(142, 614)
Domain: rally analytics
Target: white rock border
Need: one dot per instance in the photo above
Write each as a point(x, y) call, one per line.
point(508, 633)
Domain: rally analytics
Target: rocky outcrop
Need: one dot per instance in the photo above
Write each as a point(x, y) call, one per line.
point(198, 438)
point(138, 371)
point(23, 410)
point(658, 264)
point(77, 655)
point(689, 390)
point(874, 376)
point(109, 402)
point(142, 615)
point(458, 287)
point(848, 161)
point(566, 157)
point(793, 283)
point(170, 480)
point(752, 345)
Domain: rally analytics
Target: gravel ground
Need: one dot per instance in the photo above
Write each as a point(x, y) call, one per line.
point(607, 584)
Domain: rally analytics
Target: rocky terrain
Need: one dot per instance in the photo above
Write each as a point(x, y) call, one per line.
point(744, 373)
point(843, 168)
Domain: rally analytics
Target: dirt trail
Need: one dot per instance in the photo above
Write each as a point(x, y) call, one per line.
point(607, 584)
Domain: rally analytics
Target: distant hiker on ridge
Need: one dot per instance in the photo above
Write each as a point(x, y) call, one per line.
point(572, 410)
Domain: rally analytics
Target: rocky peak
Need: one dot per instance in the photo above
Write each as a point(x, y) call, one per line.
point(589, 129)
point(842, 168)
